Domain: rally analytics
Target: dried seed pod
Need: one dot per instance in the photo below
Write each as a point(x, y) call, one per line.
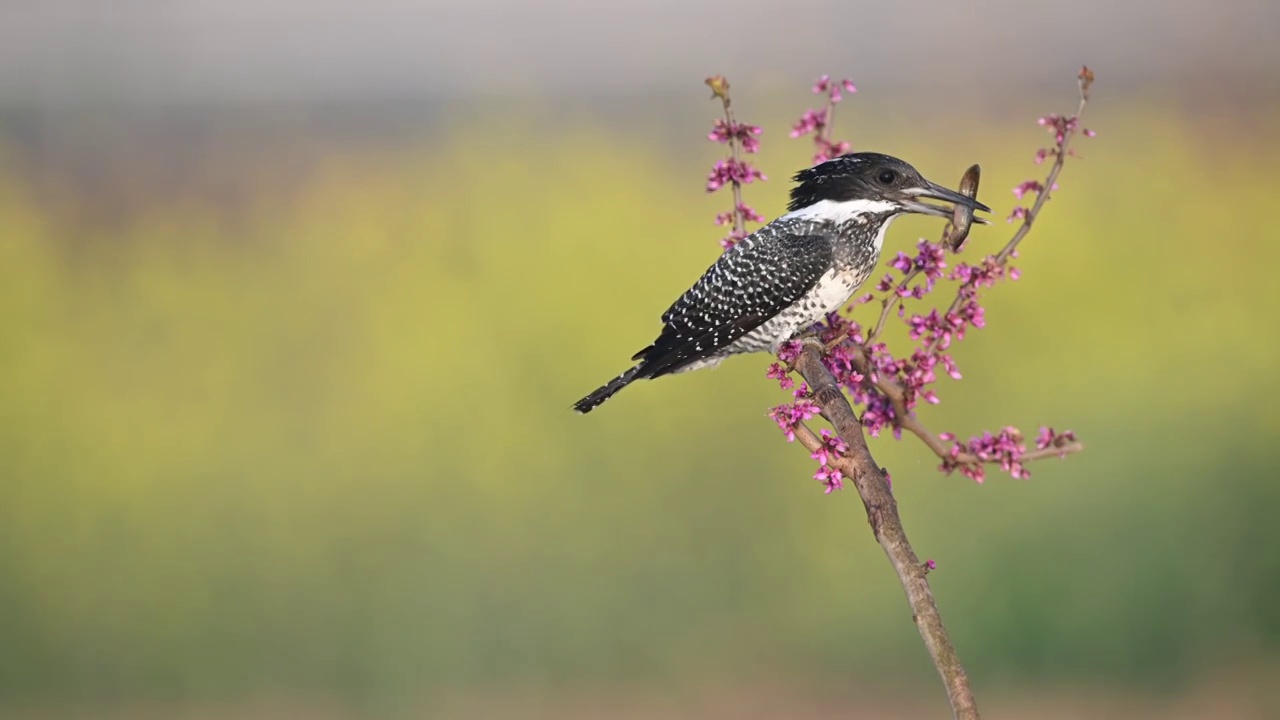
point(962, 218)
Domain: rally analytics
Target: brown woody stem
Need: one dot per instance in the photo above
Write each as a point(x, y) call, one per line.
point(882, 513)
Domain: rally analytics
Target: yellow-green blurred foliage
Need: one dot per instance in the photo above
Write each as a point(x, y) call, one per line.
point(326, 447)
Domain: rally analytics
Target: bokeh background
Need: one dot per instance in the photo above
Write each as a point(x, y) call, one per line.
point(295, 297)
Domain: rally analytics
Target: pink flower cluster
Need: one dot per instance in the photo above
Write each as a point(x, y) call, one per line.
point(929, 260)
point(730, 171)
point(832, 447)
point(789, 415)
point(810, 121)
point(1060, 127)
point(1049, 438)
point(831, 88)
point(819, 121)
point(746, 135)
point(740, 210)
point(733, 171)
point(1005, 448)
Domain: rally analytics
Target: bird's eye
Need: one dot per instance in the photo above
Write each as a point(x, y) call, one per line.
point(887, 177)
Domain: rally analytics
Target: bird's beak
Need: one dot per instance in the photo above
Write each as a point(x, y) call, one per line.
point(933, 191)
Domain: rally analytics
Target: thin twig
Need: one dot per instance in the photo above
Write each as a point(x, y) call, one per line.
point(889, 300)
point(1059, 160)
point(911, 423)
point(739, 222)
point(823, 138)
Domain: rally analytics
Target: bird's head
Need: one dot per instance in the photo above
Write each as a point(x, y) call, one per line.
point(867, 184)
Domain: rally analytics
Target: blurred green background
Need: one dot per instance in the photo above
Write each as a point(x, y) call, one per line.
point(284, 426)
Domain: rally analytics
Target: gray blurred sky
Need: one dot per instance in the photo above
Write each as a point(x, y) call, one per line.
point(60, 52)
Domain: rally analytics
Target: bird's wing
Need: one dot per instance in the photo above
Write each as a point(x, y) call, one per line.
point(750, 284)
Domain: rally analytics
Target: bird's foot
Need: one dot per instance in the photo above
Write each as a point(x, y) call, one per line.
point(815, 340)
point(840, 340)
point(812, 339)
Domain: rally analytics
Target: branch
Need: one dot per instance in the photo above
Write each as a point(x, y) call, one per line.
point(1060, 153)
point(1067, 128)
point(739, 220)
point(910, 422)
point(886, 525)
point(822, 138)
point(887, 302)
point(820, 122)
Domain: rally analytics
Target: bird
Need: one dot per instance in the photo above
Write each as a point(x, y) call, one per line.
point(789, 274)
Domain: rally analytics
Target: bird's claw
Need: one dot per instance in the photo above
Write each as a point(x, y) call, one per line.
point(813, 340)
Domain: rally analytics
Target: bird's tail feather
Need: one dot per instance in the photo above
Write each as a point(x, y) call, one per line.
point(606, 391)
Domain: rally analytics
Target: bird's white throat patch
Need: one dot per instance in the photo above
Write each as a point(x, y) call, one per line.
point(840, 211)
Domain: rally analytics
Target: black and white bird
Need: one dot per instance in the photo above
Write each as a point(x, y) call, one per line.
point(786, 276)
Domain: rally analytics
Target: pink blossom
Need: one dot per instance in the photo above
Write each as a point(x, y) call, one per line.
point(809, 122)
point(828, 149)
point(1059, 126)
point(948, 363)
point(832, 478)
point(789, 351)
point(824, 85)
point(779, 373)
point(1047, 438)
point(930, 260)
point(879, 413)
point(746, 135)
point(789, 416)
point(806, 410)
point(1029, 186)
point(747, 212)
point(1004, 448)
point(733, 238)
point(732, 171)
point(832, 447)
point(839, 361)
point(836, 326)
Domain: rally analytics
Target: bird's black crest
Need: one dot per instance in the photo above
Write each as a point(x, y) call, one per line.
point(846, 177)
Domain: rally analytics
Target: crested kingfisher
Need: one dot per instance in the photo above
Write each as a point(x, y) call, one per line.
point(781, 279)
